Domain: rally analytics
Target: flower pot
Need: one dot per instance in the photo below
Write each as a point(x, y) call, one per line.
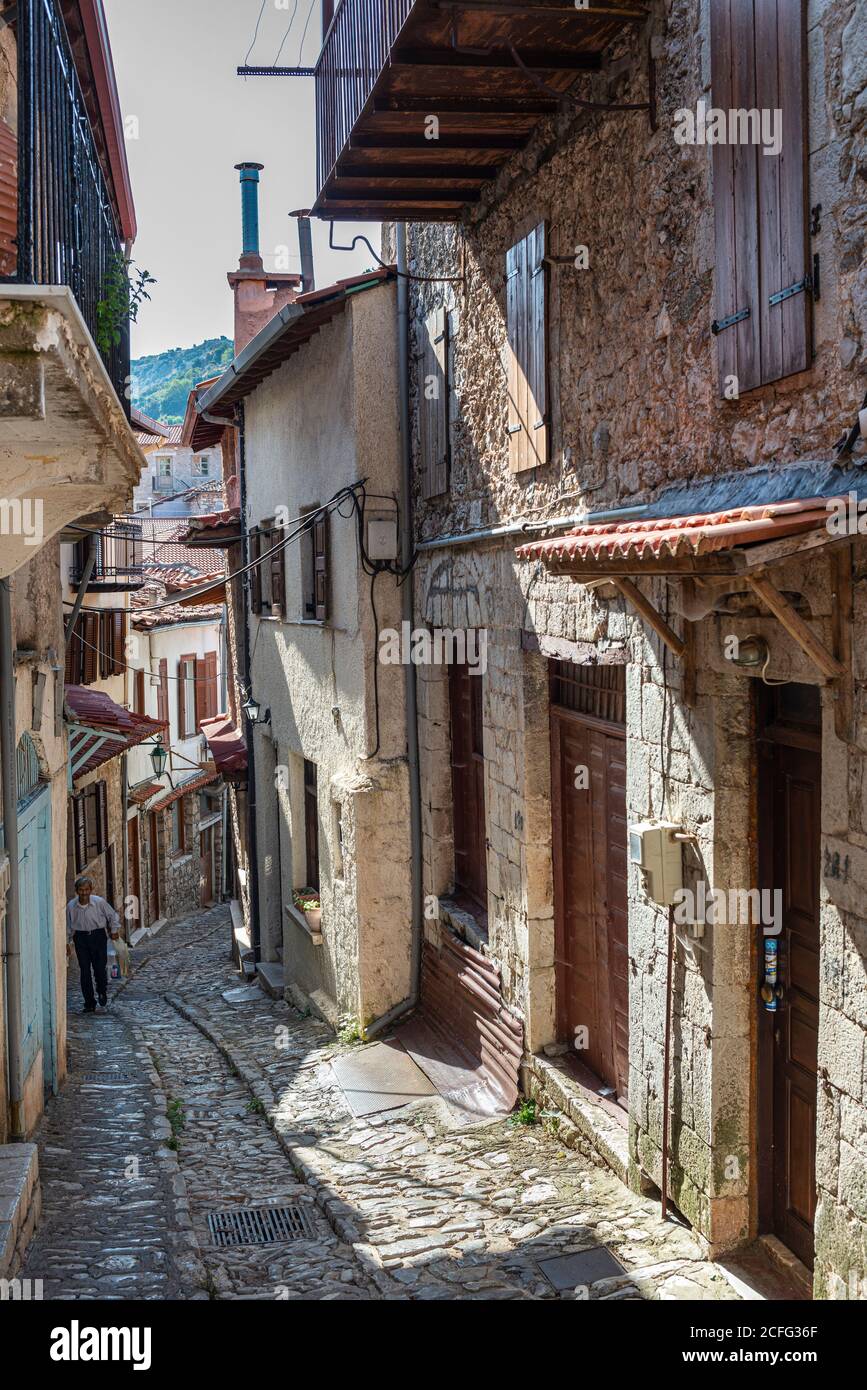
point(313, 916)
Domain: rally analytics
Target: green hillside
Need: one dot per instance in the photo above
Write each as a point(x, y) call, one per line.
point(161, 384)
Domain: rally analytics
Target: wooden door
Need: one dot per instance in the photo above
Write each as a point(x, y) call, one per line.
point(590, 887)
point(790, 828)
point(134, 832)
point(468, 785)
point(154, 896)
point(206, 853)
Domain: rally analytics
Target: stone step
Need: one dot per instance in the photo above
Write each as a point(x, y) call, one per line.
point(20, 1203)
point(271, 978)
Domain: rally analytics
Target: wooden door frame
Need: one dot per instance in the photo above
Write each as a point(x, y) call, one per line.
point(770, 734)
point(558, 714)
point(155, 891)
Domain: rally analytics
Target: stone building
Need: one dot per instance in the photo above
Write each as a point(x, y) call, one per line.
point(650, 352)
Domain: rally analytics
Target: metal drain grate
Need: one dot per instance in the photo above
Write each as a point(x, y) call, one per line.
point(259, 1225)
point(104, 1077)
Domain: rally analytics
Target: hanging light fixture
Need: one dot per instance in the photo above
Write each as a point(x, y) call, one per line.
point(159, 757)
point(253, 710)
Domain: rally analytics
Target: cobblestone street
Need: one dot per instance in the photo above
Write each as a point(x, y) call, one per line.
point(180, 1104)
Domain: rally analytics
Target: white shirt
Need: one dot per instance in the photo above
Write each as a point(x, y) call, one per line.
point(93, 916)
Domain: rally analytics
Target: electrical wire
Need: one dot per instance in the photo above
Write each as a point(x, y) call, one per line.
point(308, 519)
point(286, 35)
point(306, 27)
point(256, 33)
point(402, 274)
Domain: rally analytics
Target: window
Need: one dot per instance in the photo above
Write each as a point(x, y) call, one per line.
point(202, 465)
point(338, 839)
point(179, 830)
point(433, 405)
point(311, 823)
point(468, 784)
point(758, 62)
point(314, 570)
point(268, 578)
point(527, 329)
point(187, 697)
point(89, 824)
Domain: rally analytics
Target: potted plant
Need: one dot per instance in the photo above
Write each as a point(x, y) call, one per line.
point(307, 901)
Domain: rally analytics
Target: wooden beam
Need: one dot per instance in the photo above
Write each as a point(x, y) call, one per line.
point(794, 624)
point(541, 60)
point(418, 173)
point(477, 108)
point(447, 140)
point(369, 195)
point(653, 619)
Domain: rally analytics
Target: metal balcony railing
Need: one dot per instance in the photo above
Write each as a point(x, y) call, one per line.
point(356, 50)
point(68, 233)
point(118, 557)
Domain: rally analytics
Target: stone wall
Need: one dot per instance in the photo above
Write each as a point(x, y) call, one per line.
point(635, 404)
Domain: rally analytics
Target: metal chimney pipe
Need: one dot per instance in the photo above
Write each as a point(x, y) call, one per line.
point(250, 206)
point(305, 245)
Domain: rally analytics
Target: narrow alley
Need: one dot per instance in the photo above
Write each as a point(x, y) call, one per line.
point(181, 1104)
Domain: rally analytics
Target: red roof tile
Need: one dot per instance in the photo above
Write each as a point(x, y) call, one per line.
point(227, 746)
point(94, 710)
point(661, 538)
point(139, 795)
point(194, 784)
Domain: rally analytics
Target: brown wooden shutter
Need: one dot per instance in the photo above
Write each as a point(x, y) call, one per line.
point(183, 731)
point(8, 200)
point(79, 833)
point(139, 695)
point(102, 814)
point(758, 62)
point(91, 644)
point(320, 568)
point(74, 666)
point(255, 573)
point(211, 685)
point(433, 398)
point(527, 329)
point(201, 689)
point(163, 691)
point(118, 640)
point(278, 574)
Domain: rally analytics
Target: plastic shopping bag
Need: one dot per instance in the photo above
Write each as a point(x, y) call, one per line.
point(122, 953)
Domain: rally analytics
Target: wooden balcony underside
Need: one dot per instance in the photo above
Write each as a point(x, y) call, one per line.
point(388, 66)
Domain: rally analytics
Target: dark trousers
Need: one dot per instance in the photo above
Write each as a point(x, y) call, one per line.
point(91, 947)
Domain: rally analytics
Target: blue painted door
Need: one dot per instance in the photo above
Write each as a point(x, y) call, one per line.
point(37, 937)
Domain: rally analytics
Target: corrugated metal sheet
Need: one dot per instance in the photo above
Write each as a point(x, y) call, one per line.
point(464, 1036)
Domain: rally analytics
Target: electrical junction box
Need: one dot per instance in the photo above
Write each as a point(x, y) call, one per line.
point(382, 538)
point(659, 856)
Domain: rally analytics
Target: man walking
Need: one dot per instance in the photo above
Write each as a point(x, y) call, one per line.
point(90, 921)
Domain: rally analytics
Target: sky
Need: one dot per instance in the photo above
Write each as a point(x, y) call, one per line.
point(175, 62)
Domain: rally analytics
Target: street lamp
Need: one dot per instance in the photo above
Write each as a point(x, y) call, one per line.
point(253, 710)
point(159, 757)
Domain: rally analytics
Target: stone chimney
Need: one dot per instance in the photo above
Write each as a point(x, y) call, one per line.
point(258, 294)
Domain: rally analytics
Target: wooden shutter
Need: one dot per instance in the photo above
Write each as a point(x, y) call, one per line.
point(91, 644)
point(8, 200)
point(758, 63)
point(255, 573)
point(527, 329)
point(79, 824)
point(212, 692)
point(201, 690)
point(320, 568)
point(74, 666)
point(118, 635)
point(139, 695)
point(102, 816)
point(183, 674)
point(433, 405)
point(278, 574)
point(163, 691)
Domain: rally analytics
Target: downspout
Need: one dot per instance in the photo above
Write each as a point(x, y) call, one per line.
point(12, 933)
point(252, 846)
point(407, 591)
point(124, 847)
